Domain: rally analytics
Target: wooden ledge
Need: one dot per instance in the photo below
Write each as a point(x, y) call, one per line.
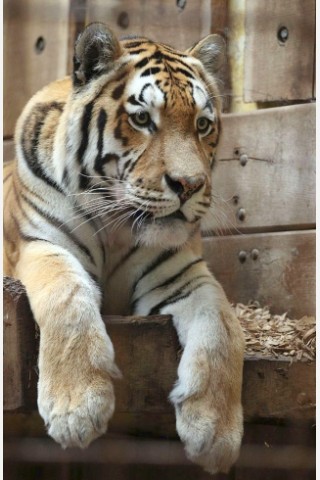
point(147, 352)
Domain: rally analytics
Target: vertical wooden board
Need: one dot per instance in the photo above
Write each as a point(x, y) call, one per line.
point(160, 20)
point(20, 354)
point(281, 273)
point(35, 51)
point(275, 69)
point(77, 20)
point(274, 182)
point(8, 150)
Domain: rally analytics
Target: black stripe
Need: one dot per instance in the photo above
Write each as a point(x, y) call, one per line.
point(132, 99)
point(118, 134)
point(30, 238)
point(163, 257)
point(142, 63)
point(124, 259)
point(23, 212)
point(84, 179)
point(184, 72)
point(92, 221)
point(118, 91)
point(134, 44)
point(101, 123)
point(177, 59)
point(141, 98)
point(37, 117)
point(137, 51)
point(150, 71)
point(169, 280)
point(85, 125)
point(208, 105)
point(56, 223)
point(108, 157)
point(173, 51)
point(133, 162)
point(178, 295)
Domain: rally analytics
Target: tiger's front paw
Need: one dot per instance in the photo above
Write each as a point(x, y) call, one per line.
point(75, 392)
point(209, 417)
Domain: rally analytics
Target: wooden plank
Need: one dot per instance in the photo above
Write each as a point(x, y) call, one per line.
point(160, 20)
point(277, 68)
point(8, 150)
point(276, 269)
point(35, 51)
point(19, 347)
point(77, 20)
point(147, 352)
point(119, 450)
point(265, 169)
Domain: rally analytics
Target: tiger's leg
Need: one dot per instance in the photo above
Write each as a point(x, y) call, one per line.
point(207, 394)
point(76, 357)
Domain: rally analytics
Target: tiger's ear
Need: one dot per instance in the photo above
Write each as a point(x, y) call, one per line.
point(211, 51)
point(95, 52)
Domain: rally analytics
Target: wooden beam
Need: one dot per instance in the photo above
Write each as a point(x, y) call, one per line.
point(119, 450)
point(264, 179)
point(276, 269)
point(160, 20)
point(279, 51)
point(8, 150)
point(147, 352)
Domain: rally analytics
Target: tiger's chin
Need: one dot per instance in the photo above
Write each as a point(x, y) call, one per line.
point(165, 233)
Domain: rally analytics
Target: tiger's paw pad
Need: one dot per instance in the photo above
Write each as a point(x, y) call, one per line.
point(209, 441)
point(76, 420)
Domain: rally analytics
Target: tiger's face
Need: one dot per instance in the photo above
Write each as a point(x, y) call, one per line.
point(156, 113)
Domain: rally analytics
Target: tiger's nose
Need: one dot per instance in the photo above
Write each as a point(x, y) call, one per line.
point(185, 187)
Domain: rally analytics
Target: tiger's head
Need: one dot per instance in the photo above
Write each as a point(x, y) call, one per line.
point(143, 123)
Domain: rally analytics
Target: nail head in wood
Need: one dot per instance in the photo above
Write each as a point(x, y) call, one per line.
point(242, 256)
point(254, 254)
point(243, 159)
point(241, 214)
point(283, 35)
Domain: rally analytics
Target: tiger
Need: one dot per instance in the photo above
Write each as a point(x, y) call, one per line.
point(103, 207)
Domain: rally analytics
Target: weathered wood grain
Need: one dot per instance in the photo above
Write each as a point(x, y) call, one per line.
point(266, 169)
point(122, 450)
point(280, 273)
point(275, 69)
point(8, 150)
point(160, 20)
point(35, 51)
point(147, 352)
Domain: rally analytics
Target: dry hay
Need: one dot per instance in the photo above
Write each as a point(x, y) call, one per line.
point(276, 335)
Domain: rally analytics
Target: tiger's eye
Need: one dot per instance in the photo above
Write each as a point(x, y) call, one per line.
point(203, 124)
point(141, 118)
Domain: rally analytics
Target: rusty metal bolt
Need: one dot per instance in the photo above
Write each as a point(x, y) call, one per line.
point(242, 256)
point(243, 159)
point(283, 35)
point(254, 254)
point(241, 214)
